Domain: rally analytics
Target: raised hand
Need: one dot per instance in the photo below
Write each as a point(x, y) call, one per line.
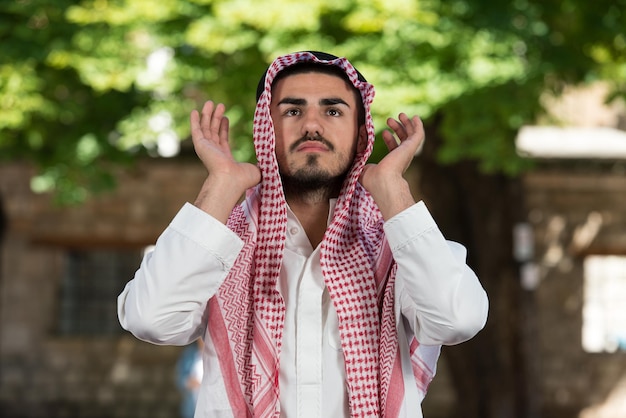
point(385, 180)
point(228, 179)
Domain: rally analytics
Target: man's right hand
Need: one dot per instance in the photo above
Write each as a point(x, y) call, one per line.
point(227, 179)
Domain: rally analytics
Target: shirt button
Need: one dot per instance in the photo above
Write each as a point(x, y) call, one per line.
point(293, 230)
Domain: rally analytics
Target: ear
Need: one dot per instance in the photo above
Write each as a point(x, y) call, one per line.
point(361, 139)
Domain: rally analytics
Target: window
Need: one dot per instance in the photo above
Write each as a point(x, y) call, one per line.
point(93, 280)
point(604, 316)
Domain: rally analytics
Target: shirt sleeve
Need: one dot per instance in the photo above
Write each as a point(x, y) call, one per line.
point(436, 291)
point(165, 303)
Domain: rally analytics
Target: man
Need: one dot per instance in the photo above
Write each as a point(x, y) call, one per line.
point(330, 291)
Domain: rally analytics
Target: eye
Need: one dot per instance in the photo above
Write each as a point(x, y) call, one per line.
point(333, 112)
point(294, 111)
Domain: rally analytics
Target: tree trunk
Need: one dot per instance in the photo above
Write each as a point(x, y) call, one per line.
point(3, 228)
point(489, 372)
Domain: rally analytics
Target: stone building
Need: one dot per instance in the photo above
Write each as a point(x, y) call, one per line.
point(62, 350)
point(578, 277)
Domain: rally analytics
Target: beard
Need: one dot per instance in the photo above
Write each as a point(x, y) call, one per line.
point(312, 177)
point(311, 181)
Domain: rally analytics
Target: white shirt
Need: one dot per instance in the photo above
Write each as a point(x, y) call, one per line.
point(440, 298)
point(311, 367)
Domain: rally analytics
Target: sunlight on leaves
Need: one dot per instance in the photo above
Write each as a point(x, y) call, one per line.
point(212, 35)
point(19, 94)
point(277, 15)
point(87, 149)
point(43, 183)
point(122, 13)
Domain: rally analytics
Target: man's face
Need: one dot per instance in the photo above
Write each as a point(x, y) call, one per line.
point(315, 119)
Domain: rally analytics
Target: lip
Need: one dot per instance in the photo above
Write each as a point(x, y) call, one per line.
point(312, 146)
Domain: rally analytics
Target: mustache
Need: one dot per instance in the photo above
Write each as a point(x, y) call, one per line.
point(307, 138)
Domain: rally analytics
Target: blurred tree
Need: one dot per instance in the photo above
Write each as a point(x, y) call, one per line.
point(88, 85)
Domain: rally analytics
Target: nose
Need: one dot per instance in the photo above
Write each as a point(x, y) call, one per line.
point(312, 125)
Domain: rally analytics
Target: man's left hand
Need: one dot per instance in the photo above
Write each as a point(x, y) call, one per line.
point(385, 180)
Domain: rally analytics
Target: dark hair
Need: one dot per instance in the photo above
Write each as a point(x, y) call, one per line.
point(318, 67)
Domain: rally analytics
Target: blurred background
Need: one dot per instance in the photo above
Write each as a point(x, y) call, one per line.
point(524, 163)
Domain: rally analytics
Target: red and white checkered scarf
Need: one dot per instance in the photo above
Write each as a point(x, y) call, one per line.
point(247, 314)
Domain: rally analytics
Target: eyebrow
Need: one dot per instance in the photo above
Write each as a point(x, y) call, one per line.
point(324, 102)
